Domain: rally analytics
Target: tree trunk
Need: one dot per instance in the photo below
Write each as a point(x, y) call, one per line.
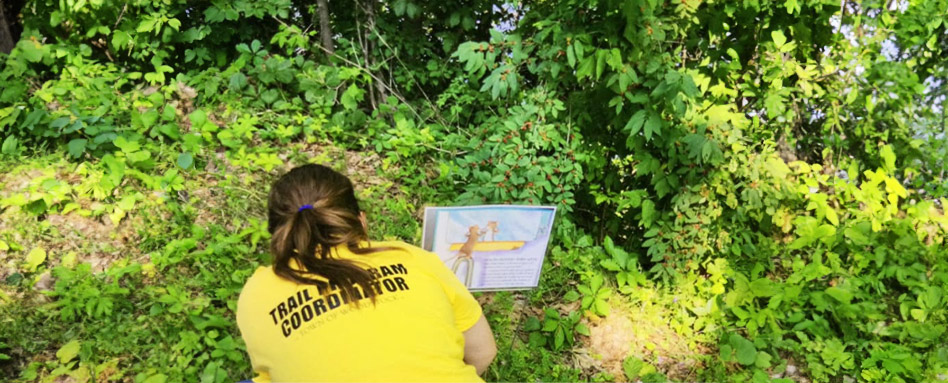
point(367, 54)
point(6, 34)
point(325, 32)
point(370, 49)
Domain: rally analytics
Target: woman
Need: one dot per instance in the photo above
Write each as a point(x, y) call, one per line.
point(334, 307)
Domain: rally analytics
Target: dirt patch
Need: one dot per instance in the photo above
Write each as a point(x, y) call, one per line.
point(362, 167)
point(93, 239)
point(18, 179)
point(313, 153)
point(209, 200)
point(640, 334)
point(793, 372)
point(611, 339)
point(211, 196)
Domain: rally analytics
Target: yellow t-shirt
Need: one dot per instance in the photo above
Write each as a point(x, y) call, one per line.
point(295, 333)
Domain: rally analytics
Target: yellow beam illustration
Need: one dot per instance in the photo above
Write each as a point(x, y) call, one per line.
point(491, 246)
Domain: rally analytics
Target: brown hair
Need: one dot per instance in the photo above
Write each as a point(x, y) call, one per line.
point(313, 209)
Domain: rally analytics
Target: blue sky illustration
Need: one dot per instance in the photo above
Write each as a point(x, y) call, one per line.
point(513, 224)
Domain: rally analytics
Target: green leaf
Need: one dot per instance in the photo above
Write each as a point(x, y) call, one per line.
point(209, 375)
point(610, 265)
point(633, 367)
point(537, 339)
point(582, 329)
point(725, 351)
point(32, 51)
point(615, 60)
point(558, 338)
point(126, 146)
point(825, 232)
point(55, 18)
point(512, 84)
point(532, 324)
point(774, 104)
point(270, 96)
point(792, 6)
point(636, 122)
point(763, 287)
point(399, 7)
point(584, 290)
point(149, 118)
point(68, 351)
point(746, 352)
point(648, 213)
point(601, 307)
point(653, 125)
point(119, 39)
point(595, 283)
point(571, 296)
point(146, 25)
point(549, 325)
point(858, 233)
point(157, 378)
point(10, 145)
point(69, 260)
point(76, 147)
point(59, 122)
point(170, 130)
point(351, 97)
point(600, 62)
point(586, 67)
point(832, 217)
point(763, 360)
point(35, 258)
point(198, 118)
point(496, 87)
point(839, 294)
point(779, 38)
point(888, 158)
point(237, 81)
point(168, 113)
point(185, 160)
point(618, 254)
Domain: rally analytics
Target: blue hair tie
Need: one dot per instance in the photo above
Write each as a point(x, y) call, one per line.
point(305, 207)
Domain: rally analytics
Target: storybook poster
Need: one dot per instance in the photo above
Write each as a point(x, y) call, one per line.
point(490, 247)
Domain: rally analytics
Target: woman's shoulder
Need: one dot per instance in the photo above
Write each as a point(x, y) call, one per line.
point(261, 274)
point(263, 279)
point(397, 244)
point(405, 250)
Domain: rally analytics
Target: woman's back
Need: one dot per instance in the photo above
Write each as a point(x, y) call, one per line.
point(413, 332)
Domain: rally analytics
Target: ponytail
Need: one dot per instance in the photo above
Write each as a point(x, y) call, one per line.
point(313, 210)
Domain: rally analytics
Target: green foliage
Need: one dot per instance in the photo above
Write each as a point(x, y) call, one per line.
point(636, 369)
point(774, 189)
point(520, 360)
point(522, 159)
point(596, 295)
point(554, 330)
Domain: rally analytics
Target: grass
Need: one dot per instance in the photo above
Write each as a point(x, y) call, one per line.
point(149, 297)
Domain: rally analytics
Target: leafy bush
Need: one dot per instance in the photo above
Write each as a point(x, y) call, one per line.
point(775, 189)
